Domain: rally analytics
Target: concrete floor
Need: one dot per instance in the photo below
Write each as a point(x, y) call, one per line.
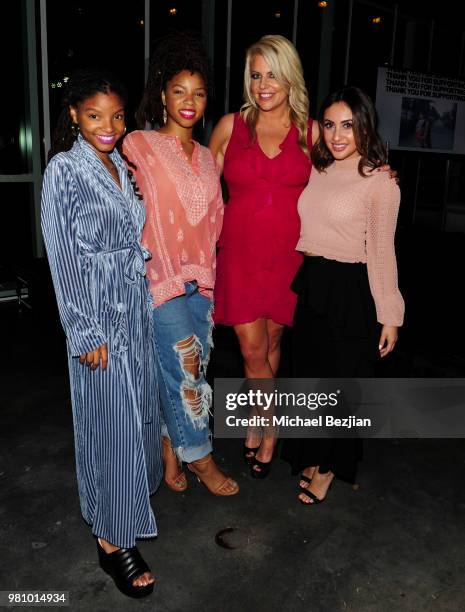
point(396, 543)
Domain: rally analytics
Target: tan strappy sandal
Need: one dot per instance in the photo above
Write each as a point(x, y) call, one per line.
point(224, 486)
point(179, 482)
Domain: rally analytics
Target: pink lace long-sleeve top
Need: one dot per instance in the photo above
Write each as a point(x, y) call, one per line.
point(184, 212)
point(349, 218)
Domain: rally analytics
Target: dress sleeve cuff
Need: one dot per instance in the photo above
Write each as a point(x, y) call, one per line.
point(392, 310)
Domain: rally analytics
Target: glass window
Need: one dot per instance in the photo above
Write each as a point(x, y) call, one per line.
point(179, 15)
point(430, 194)
point(251, 21)
point(455, 219)
point(456, 190)
point(416, 45)
point(308, 45)
point(85, 33)
point(400, 41)
point(15, 132)
point(216, 107)
point(445, 55)
point(338, 60)
point(15, 224)
point(374, 27)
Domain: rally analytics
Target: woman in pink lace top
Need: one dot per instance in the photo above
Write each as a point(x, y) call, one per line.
point(179, 182)
point(349, 306)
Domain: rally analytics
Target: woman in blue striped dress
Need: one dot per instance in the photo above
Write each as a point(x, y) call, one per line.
point(91, 222)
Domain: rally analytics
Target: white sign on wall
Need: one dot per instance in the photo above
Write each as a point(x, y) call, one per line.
point(419, 111)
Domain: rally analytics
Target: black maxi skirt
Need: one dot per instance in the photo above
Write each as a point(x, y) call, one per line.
point(335, 335)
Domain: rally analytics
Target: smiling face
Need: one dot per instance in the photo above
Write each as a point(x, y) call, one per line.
point(185, 98)
point(265, 89)
point(338, 131)
point(101, 121)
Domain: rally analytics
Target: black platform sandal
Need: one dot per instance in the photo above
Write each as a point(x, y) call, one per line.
point(249, 453)
point(264, 468)
point(124, 566)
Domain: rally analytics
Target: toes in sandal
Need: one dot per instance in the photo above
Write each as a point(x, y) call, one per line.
point(264, 468)
point(249, 453)
point(125, 565)
point(220, 489)
point(305, 479)
point(308, 493)
point(178, 484)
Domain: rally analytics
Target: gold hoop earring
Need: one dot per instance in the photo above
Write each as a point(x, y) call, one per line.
point(203, 121)
point(165, 115)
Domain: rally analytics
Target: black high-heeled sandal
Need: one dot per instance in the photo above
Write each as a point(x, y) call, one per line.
point(248, 457)
point(310, 495)
point(125, 565)
point(264, 468)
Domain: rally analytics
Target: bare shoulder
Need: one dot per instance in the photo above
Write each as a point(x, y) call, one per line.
point(223, 129)
point(220, 138)
point(315, 131)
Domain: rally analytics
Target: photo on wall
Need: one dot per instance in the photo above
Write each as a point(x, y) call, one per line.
point(421, 112)
point(428, 124)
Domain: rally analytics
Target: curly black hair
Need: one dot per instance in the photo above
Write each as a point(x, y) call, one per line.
point(172, 54)
point(81, 85)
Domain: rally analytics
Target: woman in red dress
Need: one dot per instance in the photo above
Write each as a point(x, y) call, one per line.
point(264, 153)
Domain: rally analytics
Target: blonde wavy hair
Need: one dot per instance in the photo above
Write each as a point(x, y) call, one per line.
point(284, 62)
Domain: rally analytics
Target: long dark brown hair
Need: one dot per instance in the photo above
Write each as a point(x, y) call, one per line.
point(368, 141)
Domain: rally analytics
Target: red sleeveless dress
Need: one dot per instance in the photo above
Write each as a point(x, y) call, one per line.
point(257, 260)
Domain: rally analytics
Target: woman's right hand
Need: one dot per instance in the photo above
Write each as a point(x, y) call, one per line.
point(388, 339)
point(95, 358)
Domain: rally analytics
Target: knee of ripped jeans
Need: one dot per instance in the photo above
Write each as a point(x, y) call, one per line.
point(195, 392)
point(197, 400)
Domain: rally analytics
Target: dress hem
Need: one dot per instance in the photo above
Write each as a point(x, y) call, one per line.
point(229, 323)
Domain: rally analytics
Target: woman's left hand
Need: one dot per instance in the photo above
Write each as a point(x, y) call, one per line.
point(97, 357)
point(388, 339)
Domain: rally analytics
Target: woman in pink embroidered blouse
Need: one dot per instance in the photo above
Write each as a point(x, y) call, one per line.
point(179, 182)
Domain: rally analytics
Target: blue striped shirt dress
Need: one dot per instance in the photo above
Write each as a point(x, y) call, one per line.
point(92, 229)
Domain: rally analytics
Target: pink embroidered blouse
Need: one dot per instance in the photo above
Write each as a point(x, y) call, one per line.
point(184, 212)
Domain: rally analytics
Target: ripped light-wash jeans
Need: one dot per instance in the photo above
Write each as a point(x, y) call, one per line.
point(183, 331)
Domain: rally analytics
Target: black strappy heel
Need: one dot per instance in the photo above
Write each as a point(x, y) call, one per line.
point(264, 468)
point(246, 451)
